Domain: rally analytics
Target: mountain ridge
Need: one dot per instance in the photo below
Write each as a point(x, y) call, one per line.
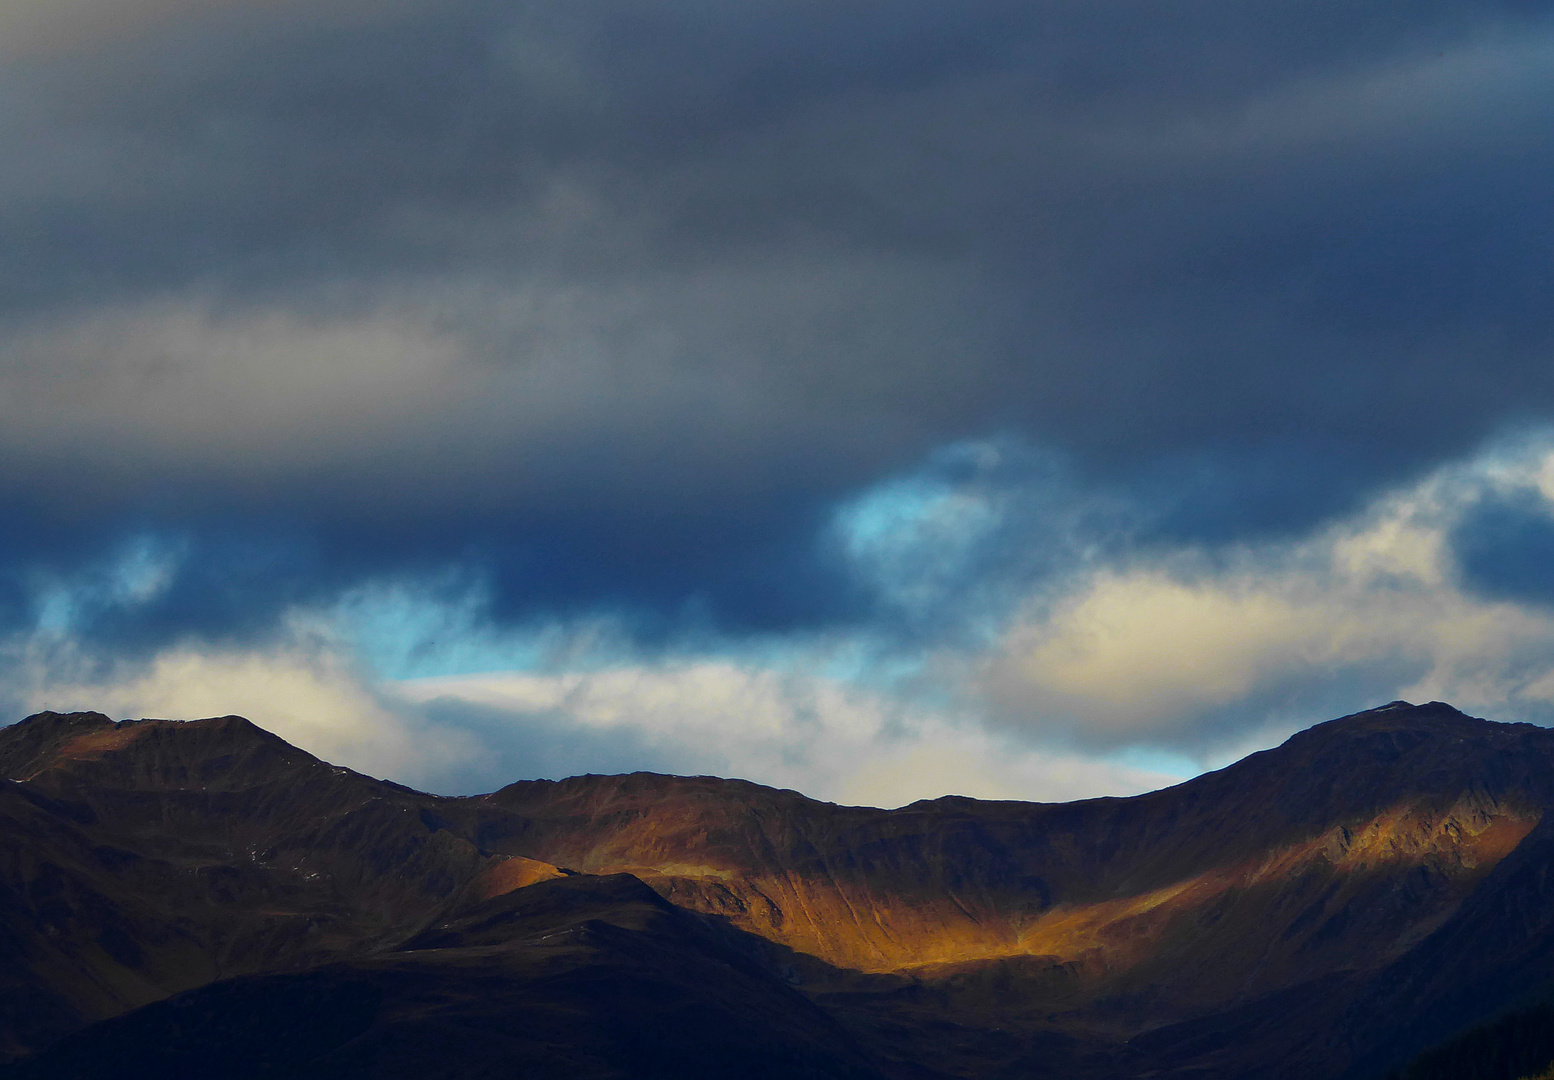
point(156, 858)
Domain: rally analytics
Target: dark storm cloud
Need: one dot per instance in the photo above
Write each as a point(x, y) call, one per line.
point(612, 303)
point(1505, 547)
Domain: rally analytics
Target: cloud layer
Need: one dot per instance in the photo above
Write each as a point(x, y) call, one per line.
point(1093, 372)
point(1107, 667)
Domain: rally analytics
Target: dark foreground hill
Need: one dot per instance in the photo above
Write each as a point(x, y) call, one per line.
point(204, 899)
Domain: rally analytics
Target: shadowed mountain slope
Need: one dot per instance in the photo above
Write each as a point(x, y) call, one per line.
point(1328, 906)
point(589, 977)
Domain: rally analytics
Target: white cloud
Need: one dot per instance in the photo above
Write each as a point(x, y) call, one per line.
point(773, 723)
point(305, 692)
point(1149, 651)
point(1143, 650)
point(821, 736)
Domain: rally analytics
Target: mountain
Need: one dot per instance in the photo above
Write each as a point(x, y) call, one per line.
point(203, 898)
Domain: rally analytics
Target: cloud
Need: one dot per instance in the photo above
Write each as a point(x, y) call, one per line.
point(32, 27)
point(1060, 357)
point(782, 727)
point(181, 387)
point(307, 693)
point(1113, 665)
point(1173, 644)
point(463, 735)
point(740, 220)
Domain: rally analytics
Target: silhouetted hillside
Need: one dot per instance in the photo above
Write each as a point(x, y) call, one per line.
point(1515, 1046)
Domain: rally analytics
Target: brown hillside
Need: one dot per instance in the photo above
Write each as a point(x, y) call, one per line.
point(1196, 927)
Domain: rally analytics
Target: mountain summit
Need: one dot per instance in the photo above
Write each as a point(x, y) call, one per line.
point(201, 895)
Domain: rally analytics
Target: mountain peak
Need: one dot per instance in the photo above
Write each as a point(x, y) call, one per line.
point(29, 745)
point(48, 716)
point(1401, 708)
point(1402, 716)
point(220, 750)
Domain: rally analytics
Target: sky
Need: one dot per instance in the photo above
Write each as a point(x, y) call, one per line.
point(1041, 399)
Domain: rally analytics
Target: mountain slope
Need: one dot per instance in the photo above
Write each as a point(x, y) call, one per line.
point(1343, 847)
point(589, 977)
point(1254, 921)
point(146, 858)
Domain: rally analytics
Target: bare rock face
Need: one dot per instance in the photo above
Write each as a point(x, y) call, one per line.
point(1252, 922)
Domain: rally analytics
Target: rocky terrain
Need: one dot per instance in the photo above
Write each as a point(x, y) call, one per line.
point(201, 898)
